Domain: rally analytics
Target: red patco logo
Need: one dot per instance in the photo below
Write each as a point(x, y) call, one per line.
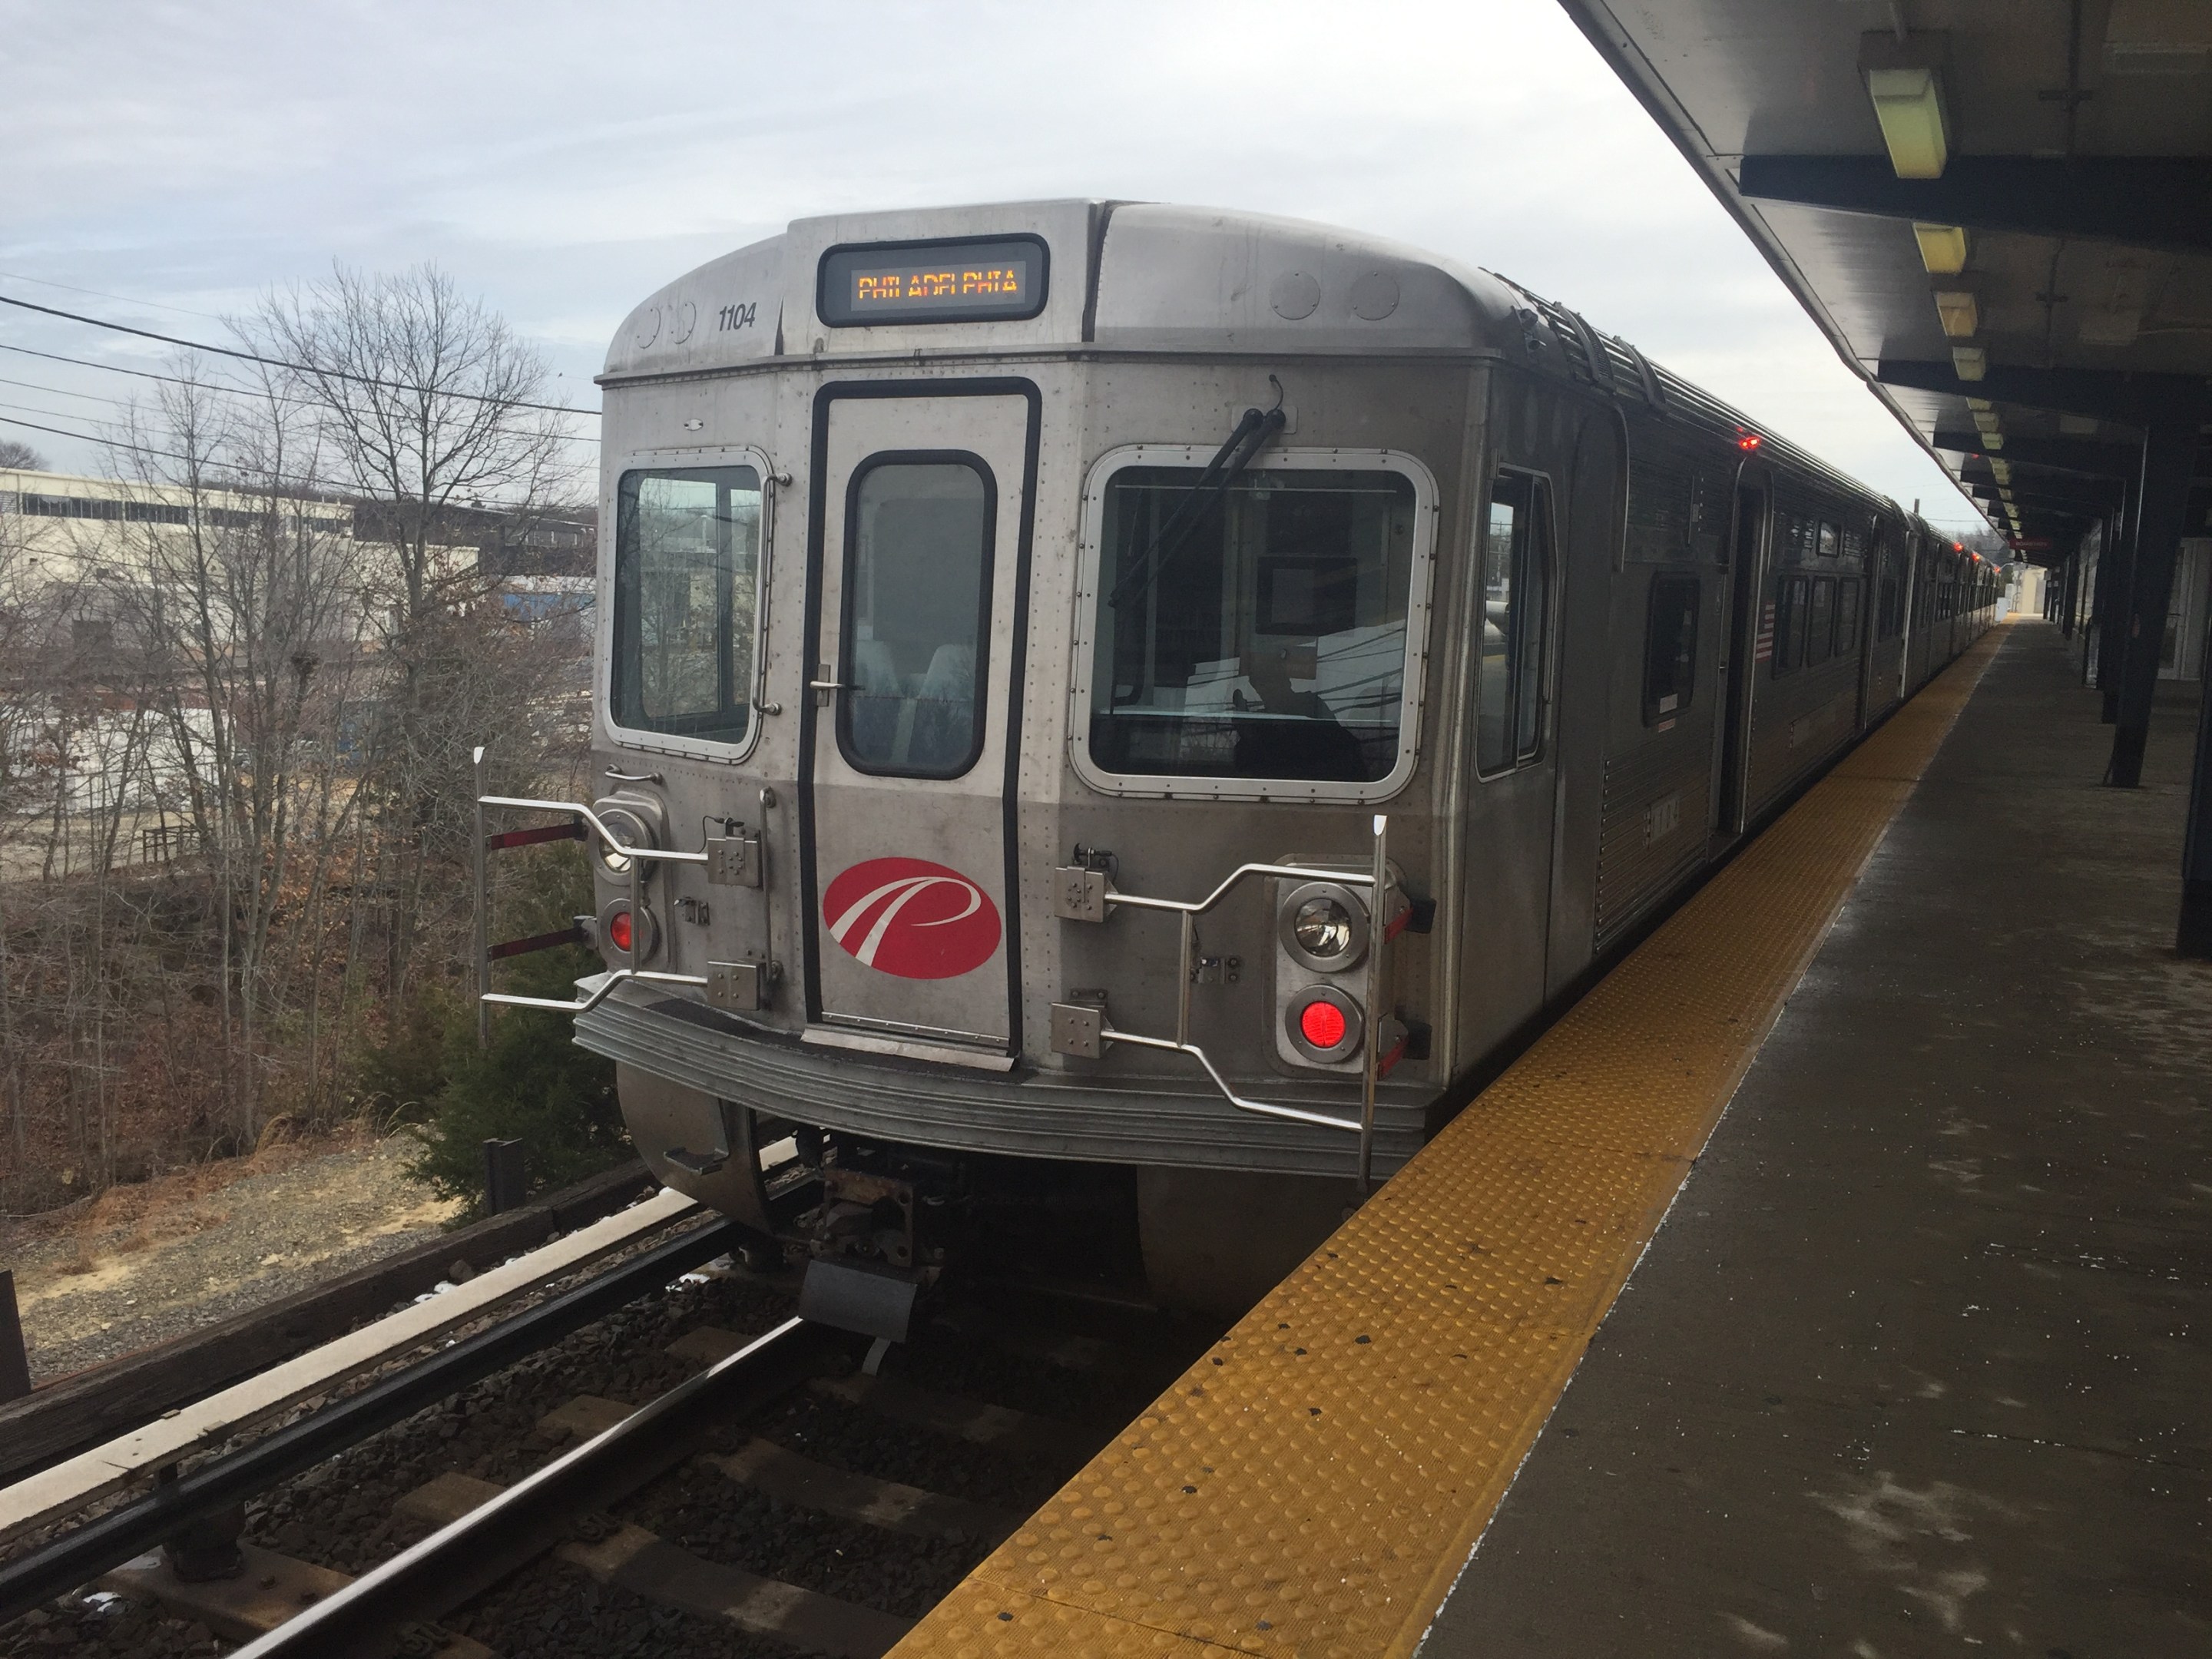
point(912, 918)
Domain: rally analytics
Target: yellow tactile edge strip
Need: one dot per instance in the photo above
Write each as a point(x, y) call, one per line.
point(1314, 1485)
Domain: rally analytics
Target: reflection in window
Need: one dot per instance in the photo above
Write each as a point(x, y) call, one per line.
point(1670, 649)
point(1267, 641)
point(1509, 654)
point(1847, 618)
point(1820, 627)
point(1790, 610)
point(917, 586)
point(687, 562)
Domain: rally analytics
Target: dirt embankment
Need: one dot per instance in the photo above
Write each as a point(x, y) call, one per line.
point(146, 1262)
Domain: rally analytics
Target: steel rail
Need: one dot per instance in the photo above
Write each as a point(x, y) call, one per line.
point(540, 1511)
point(84, 1553)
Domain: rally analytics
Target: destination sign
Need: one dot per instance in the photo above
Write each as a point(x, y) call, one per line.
point(998, 280)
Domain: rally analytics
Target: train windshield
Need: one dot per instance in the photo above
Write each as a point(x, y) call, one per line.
point(687, 564)
point(1270, 643)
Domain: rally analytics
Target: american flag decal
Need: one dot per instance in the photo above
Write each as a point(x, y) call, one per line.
point(1764, 649)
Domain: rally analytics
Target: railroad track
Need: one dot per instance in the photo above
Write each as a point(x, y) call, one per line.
point(693, 1471)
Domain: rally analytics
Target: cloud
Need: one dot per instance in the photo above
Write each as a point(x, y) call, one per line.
point(565, 159)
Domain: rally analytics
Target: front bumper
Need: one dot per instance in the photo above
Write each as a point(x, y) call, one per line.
point(1025, 1113)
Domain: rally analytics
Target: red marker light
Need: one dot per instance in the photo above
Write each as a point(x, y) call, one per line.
point(618, 930)
point(1322, 1024)
point(1749, 441)
point(1958, 547)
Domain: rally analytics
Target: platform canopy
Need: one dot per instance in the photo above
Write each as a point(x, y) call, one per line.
point(1999, 210)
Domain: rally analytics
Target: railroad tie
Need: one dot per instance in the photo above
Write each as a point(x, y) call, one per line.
point(270, 1590)
point(649, 1565)
point(1021, 1434)
point(789, 1478)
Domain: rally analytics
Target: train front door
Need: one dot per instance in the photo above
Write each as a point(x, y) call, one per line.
point(919, 528)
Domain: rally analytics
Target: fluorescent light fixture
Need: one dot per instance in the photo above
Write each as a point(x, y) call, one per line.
point(1993, 440)
point(1909, 104)
point(1977, 404)
point(1942, 248)
point(1971, 362)
point(2002, 471)
point(1958, 311)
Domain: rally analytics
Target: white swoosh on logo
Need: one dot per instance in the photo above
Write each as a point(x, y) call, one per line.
point(899, 894)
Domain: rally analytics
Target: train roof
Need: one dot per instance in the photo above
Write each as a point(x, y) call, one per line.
point(1143, 276)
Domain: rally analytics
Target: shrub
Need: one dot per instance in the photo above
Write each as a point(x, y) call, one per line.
point(532, 1084)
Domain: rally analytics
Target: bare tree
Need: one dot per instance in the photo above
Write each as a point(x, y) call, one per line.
point(428, 404)
point(14, 453)
point(431, 409)
point(244, 608)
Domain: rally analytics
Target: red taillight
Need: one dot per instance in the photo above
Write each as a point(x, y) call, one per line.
point(1322, 1024)
point(618, 931)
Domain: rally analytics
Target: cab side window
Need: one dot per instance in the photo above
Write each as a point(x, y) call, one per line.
point(1513, 629)
point(1670, 649)
point(1789, 620)
point(1820, 621)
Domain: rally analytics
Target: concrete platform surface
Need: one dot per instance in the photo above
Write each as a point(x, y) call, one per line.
point(1918, 1362)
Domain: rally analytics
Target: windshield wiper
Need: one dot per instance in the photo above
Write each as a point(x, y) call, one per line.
point(1233, 457)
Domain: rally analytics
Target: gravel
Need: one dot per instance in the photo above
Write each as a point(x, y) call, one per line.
point(340, 1515)
point(158, 1259)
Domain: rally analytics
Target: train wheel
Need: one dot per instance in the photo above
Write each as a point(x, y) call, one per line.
point(1215, 1241)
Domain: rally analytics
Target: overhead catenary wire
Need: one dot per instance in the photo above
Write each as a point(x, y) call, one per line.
point(279, 363)
point(181, 380)
point(208, 461)
point(102, 293)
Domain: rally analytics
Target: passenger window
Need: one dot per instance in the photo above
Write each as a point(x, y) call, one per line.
point(1847, 618)
point(1828, 540)
point(1790, 609)
point(1510, 653)
point(686, 600)
point(1670, 649)
point(917, 616)
point(1820, 625)
point(1264, 639)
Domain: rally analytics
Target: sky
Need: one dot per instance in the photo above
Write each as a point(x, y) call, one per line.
point(563, 160)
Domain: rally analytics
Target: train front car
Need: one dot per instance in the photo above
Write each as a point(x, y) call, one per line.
point(982, 594)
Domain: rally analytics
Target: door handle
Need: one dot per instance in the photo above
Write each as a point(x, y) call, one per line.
point(830, 685)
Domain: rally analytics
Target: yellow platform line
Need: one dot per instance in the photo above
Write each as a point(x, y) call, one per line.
point(1316, 1482)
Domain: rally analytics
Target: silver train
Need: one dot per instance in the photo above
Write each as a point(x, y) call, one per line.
point(1126, 713)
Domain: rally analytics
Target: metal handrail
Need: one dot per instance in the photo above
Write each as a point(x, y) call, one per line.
point(637, 855)
point(1377, 881)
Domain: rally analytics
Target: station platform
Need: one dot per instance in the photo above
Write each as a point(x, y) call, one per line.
point(1920, 1361)
point(1908, 1356)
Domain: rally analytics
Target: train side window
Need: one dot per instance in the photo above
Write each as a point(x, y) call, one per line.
point(1516, 572)
point(1820, 621)
point(1830, 539)
point(1670, 649)
point(1847, 618)
point(917, 615)
point(1888, 610)
point(686, 602)
point(1790, 609)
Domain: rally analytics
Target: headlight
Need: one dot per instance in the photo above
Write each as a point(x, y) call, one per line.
point(1324, 925)
point(626, 827)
